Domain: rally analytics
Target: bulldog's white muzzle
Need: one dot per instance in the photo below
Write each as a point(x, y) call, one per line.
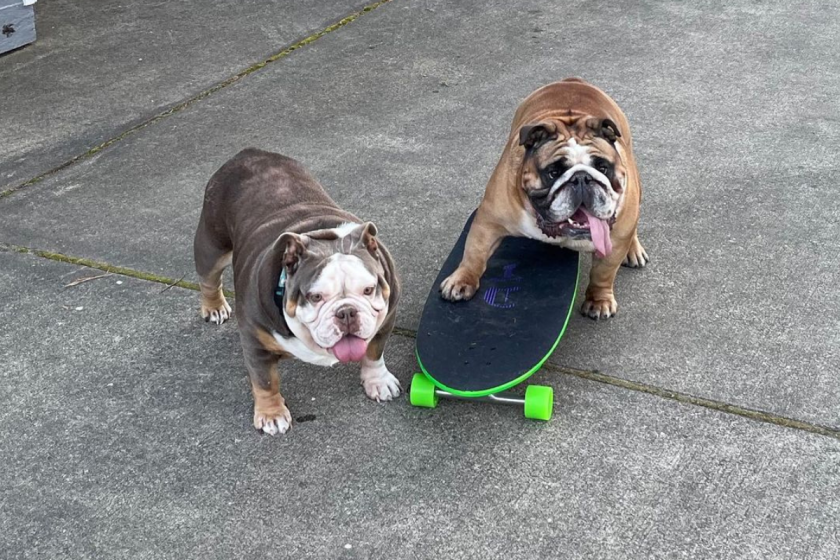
point(345, 317)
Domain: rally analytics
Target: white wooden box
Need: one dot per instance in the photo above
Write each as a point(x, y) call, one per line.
point(17, 24)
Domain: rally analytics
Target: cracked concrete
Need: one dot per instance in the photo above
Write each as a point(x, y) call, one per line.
point(101, 68)
point(125, 419)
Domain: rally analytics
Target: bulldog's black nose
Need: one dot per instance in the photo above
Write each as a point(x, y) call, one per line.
point(579, 185)
point(345, 314)
point(580, 179)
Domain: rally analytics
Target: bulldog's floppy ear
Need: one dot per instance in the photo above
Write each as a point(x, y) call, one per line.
point(384, 286)
point(368, 239)
point(607, 129)
point(532, 135)
point(293, 247)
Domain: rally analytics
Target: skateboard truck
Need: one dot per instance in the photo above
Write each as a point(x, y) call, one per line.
point(538, 401)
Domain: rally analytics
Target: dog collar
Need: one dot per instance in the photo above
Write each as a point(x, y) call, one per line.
point(281, 289)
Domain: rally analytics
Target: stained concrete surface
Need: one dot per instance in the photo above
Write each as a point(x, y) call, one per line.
point(126, 423)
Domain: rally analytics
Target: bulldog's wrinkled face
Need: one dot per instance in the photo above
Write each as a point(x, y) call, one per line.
point(574, 178)
point(336, 293)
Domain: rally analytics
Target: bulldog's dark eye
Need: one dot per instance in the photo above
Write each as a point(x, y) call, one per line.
point(554, 171)
point(602, 166)
point(315, 298)
point(369, 290)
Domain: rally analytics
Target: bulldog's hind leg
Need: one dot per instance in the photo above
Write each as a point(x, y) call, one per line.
point(211, 258)
point(482, 240)
point(379, 383)
point(636, 257)
point(270, 412)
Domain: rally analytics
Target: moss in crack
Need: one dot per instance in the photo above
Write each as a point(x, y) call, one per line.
point(408, 333)
point(121, 270)
point(595, 376)
point(684, 398)
point(198, 97)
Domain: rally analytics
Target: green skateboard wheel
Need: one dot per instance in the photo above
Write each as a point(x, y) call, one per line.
point(422, 392)
point(539, 402)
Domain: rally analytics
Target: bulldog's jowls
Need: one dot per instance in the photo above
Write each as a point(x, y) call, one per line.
point(312, 281)
point(567, 176)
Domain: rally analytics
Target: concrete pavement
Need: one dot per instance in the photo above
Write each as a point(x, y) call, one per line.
point(402, 114)
point(99, 69)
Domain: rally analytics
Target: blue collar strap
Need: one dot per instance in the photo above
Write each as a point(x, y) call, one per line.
point(281, 289)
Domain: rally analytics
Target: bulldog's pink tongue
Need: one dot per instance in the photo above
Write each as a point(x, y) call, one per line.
point(350, 349)
point(600, 231)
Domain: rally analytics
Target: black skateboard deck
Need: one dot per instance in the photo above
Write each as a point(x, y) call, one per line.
point(509, 328)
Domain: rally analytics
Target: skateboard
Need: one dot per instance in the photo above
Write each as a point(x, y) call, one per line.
point(478, 349)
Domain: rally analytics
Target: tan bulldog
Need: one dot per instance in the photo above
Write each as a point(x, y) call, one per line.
point(567, 176)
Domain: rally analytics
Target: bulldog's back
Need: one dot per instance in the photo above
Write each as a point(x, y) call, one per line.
point(257, 196)
point(570, 96)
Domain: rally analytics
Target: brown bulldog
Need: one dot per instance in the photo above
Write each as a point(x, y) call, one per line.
point(312, 281)
point(567, 176)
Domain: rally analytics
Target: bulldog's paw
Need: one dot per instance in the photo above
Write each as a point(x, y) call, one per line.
point(215, 309)
point(599, 308)
point(380, 385)
point(636, 257)
point(382, 388)
point(272, 420)
point(461, 285)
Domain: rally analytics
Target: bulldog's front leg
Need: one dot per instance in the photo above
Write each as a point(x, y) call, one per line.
point(379, 383)
point(270, 413)
point(600, 299)
point(482, 240)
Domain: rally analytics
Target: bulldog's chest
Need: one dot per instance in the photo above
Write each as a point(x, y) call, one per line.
point(300, 350)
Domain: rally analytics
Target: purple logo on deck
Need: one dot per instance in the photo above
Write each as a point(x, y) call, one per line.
point(491, 296)
point(499, 296)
